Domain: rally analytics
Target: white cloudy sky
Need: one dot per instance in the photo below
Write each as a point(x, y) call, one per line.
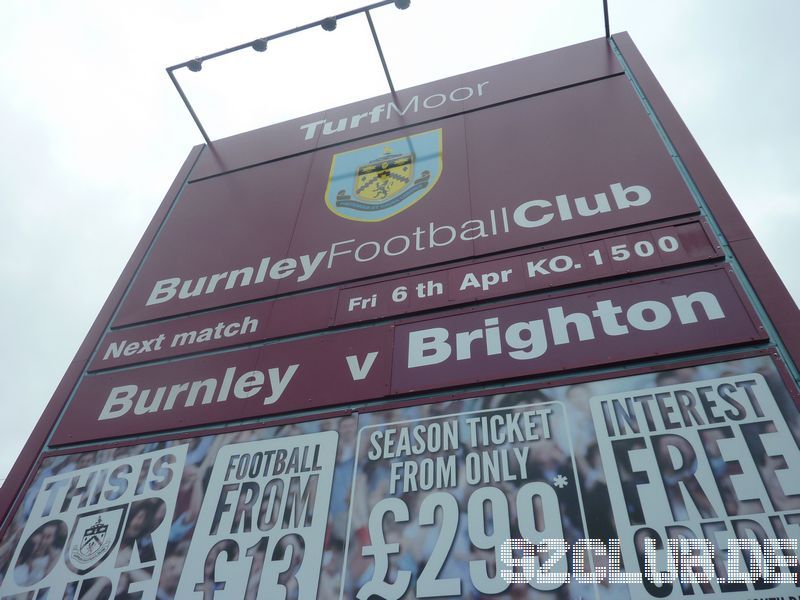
point(93, 131)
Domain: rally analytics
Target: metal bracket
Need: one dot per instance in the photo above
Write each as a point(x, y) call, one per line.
point(260, 45)
point(328, 24)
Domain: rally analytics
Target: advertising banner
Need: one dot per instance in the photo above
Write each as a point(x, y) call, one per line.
point(713, 460)
point(267, 501)
point(554, 493)
point(673, 483)
point(679, 313)
point(248, 514)
point(97, 530)
point(411, 198)
point(444, 493)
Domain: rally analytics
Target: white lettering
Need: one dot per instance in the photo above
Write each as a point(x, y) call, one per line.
point(521, 218)
point(413, 102)
point(438, 103)
point(641, 193)
point(428, 347)
point(119, 402)
point(358, 371)
point(311, 128)
point(279, 382)
point(526, 340)
point(309, 266)
point(164, 290)
point(538, 213)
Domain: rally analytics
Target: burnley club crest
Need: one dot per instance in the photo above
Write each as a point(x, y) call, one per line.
point(94, 536)
point(376, 182)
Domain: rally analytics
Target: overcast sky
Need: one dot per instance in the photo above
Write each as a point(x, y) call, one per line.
point(93, 131)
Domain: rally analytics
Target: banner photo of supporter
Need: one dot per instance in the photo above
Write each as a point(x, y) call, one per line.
point(550, 493)
point(444, 492)
point(262, 524)
point(710, 459)
point(98, 529)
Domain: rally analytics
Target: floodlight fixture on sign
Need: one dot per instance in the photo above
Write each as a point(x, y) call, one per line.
point(328, 24)
point(260, 45)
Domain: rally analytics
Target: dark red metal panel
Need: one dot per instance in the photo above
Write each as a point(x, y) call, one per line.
point(771, 292)
point(696, 310)
point(604, 326)
point(217, 329)
point(533, 75)
point(573, 162)
point(704, 176)
point(273, 379)
point(574, 149)
point(553, 266)
point(776, 300)
point(22, 467)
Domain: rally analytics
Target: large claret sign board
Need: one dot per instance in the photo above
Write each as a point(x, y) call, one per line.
point(503, 335)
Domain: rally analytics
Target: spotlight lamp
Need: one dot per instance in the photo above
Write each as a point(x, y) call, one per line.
point(329, 23)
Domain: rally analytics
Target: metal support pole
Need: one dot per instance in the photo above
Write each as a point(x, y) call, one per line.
point(380, 51)
point(188, 105)
point(260, 44)
point(328, 23)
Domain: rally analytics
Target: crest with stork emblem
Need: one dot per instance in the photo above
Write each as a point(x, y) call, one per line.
point(94, 535)
point(376, 182)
